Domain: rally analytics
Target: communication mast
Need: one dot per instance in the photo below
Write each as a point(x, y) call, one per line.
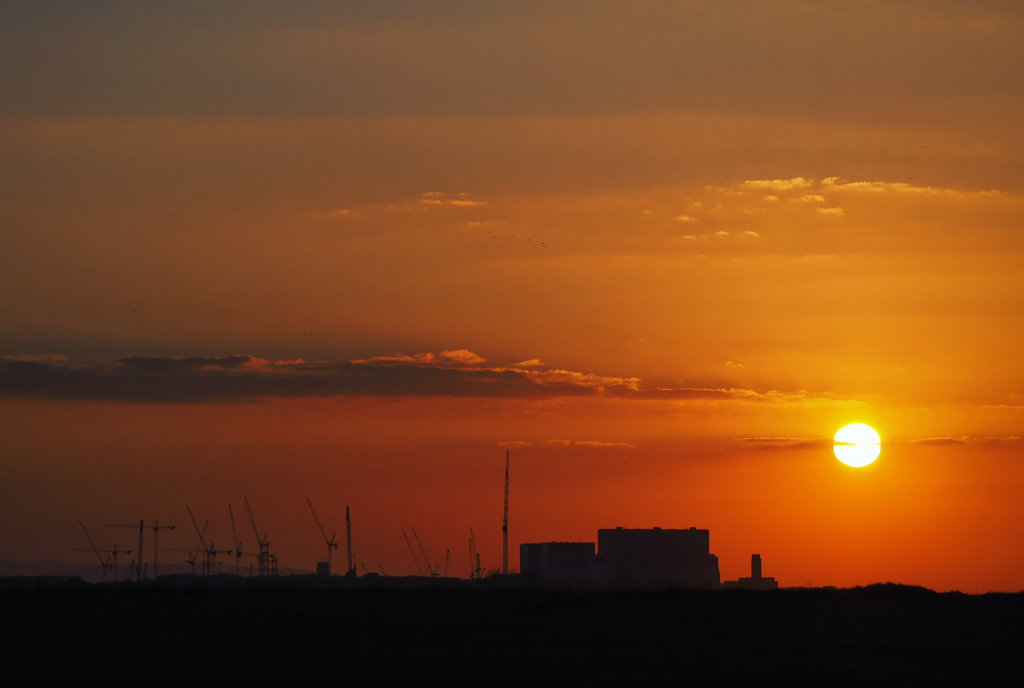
point(504, 525)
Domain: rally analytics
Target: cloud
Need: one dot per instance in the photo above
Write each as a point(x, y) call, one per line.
point(685, 218)
point(512, 444)
point(238, 378)
point(812, 198)
point(751, 234)
point(777, 184)
point(557, 443)
point(533, 362)
point(963, 440)
point(605, 445)
point(38, 358)
point(830, 211)
point(457, 357)
point(783, 442)
point(439, 198)
point(730, 364)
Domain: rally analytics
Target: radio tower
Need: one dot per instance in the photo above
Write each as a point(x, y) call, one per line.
point(504, 525)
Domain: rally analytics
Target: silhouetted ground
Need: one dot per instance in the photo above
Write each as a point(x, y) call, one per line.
point(876, 635)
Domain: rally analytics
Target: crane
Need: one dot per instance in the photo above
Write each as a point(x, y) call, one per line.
point(104, 563)
point(412, 552)
point(138, 563)
point(348, 538)
point(193, 554)
point(447, 557)
point(432, 570)
point(210, 561)
point(156, 528)
point(475, 570)
point(237, 542)
point(504, 525)
point(267, 562)
point(331, 544)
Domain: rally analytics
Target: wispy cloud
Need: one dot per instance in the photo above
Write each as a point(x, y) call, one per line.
point(777, 184)
point(452, 373)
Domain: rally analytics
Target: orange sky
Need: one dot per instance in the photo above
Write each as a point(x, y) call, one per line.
point(663, 251)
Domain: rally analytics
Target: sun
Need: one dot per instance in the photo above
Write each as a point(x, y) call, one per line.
point(857, 445)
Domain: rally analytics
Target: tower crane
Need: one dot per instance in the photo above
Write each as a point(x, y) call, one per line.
point(331, 544)
point(156, 528)
point(267, 562)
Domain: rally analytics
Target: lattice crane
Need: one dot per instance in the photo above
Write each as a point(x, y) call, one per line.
point(331, 544)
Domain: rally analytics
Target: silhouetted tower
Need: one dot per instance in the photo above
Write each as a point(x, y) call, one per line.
point(504, 525)
point(331, 544)
point(348, 539)
point(755, 565)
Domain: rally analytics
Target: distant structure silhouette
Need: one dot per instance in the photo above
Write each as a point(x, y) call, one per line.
point(756, 580)
point(646, 558)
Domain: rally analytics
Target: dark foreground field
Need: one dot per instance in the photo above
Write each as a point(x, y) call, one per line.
point(879, 634)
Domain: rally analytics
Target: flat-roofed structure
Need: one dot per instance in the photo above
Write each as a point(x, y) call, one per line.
point(557, 562)
point(658, 558)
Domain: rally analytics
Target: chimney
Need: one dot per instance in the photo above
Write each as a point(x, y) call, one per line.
point(755, 566)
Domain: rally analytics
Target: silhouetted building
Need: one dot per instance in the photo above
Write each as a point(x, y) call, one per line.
point(656, 557)
point(323, 569)
point(756, 581)
point(558, 562)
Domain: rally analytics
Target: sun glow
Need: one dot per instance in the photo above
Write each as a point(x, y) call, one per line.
point(857, 445)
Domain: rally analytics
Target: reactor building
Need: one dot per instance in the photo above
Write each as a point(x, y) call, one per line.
point(648, 558)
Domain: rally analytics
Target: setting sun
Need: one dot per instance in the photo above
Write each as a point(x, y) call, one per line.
point(857, 445)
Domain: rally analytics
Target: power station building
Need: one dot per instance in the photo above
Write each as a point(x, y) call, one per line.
point(626, 557)
point(658, 557)
point(558, 562)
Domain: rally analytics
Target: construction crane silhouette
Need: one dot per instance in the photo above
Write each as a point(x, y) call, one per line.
point(432, 570)
point(267, 562)
point(475, 570)
point(331, 544)
point(447, 558)
point(348, 539)
point(237, 542)
point(210, 560)
point(104, 563)
point(504, 525)
point(412, 552)
point(193, 554)
point(156, 528)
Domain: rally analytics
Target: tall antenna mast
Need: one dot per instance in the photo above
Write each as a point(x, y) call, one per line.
point(348, 537)
point(504, 525)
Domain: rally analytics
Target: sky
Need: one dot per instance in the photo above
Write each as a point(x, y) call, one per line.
point(660, 251)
